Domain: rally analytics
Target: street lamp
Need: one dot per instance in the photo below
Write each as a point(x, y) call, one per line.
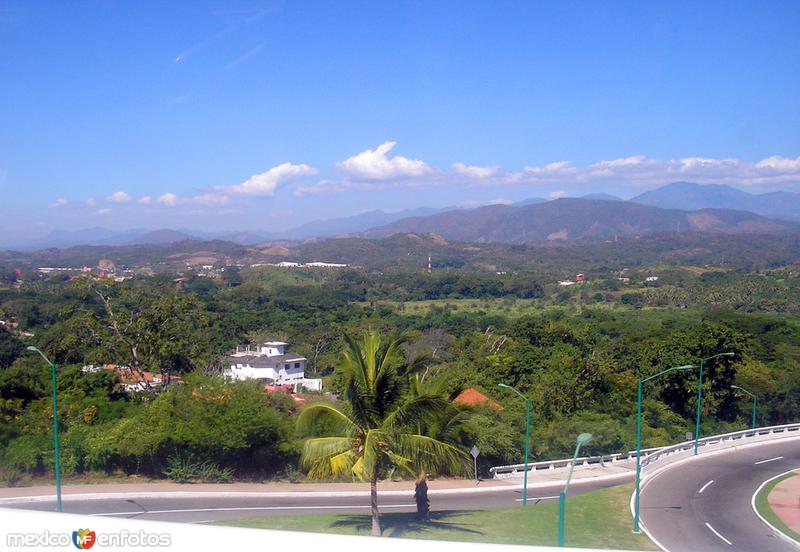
point(700, 396)
point(639, 438)
point(583, 439)
point(55, 427)
point(742, 389)
point(527, 439)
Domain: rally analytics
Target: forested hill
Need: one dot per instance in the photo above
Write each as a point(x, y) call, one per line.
point(689, 248)
point(575, 218)
point(410, 251)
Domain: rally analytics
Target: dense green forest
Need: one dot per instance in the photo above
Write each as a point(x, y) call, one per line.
point(576, 351)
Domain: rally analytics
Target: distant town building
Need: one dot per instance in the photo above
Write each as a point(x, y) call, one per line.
point(106, 265)
point(580, 278)
point(314, 264)
point(135, 380)
point(651, 279)
point(270, 362)
point(566, 283)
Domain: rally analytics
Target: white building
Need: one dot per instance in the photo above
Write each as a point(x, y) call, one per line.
point(270, 361)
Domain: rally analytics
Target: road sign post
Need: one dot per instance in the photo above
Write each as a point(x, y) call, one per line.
point(475, 451)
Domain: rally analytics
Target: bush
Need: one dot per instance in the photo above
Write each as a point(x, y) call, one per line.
point(185, 468)
point(207, 420)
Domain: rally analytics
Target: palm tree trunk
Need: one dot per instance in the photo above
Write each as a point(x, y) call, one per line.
point(421, 497)
point(373, 495)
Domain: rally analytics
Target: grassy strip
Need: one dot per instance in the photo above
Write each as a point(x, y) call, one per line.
point(597, 519)
point(762, 504)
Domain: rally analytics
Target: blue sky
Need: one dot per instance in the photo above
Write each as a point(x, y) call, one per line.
point(264, 115)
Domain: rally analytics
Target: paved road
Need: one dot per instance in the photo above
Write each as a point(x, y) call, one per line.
point(705, 505)
point(212, 508)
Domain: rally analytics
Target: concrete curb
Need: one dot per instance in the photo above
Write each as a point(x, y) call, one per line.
point(622, 477)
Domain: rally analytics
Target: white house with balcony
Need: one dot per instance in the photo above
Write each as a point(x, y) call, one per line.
point(269, 361)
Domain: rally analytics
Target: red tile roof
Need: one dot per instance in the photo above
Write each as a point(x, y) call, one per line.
point(471, 397)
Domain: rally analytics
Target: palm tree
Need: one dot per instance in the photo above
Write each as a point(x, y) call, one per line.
point(374, 428)
point(444, 426)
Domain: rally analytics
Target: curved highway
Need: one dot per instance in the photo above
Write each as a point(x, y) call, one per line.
point(705, 503)
point(207, 507)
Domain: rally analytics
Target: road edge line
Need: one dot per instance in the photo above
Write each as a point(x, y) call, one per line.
point(642, 526)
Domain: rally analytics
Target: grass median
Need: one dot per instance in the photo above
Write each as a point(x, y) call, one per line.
point(762, 504)
point(600, 519)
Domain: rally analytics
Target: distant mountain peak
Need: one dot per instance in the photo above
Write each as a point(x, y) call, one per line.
point(162, 236)
point(691, 196)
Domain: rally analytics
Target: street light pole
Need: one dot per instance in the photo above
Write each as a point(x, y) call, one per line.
point(527, 439)
point(55, 427)
point(639, 439)
point(582, 439)
point(700, 397)
point(753, 425)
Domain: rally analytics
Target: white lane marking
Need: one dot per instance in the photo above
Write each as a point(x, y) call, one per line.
point(768, 460)
point(538, 498)
point(247, 508)
point(703, 488)
point(717, 534)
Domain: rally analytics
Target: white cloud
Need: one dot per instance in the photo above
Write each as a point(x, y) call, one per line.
point(103, 211)
point(475, 171)
point(265, 184)
point(168, 198)
point(556, 168)
point(60, 202)
point(119, 197)
point(210, 199)
point(375, 170)
point(778, 163)
point(90, 201)
point(377, 165)
point(621, 162)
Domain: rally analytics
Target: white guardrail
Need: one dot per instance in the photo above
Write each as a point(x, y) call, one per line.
point(655, 454)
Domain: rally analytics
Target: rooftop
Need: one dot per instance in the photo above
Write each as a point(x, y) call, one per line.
point(471, 397)
point(261, 360)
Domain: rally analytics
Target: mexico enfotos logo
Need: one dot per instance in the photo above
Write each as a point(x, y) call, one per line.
point(84, 539)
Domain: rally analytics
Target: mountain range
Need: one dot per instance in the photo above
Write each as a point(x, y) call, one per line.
point(578, 218)
point(689, 197)
point(533, 219)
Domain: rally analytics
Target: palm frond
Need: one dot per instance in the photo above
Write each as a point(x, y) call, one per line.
point(424, 409)
point(401, 462)
point(336, 465)
point(430, 454)
point(325, 415)
point(323, 448)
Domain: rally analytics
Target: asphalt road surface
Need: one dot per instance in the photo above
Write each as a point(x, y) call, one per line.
point(210, 508)
point(705, 504)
